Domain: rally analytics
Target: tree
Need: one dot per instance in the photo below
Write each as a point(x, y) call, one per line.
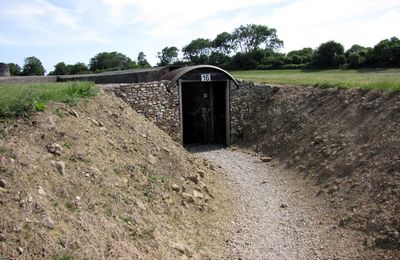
point(198, 51)
point(387, 53)
point(219, 59)
point(60, 69)
point(142, 61)
point(67, 69)
point(329, 55)
point(356, 56)
point(110, 61)
point(223, 42)
point(252, 36)
point(249, 60)
point(33, 67)
point(302, 56)
point(168, 55)
point(78, 68)
point(15, 69)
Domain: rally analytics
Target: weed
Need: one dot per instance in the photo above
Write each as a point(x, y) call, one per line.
point(149, 193)
point(128, 220)
point(70, 206)
point(163, 179)
point(55, 204)
point(67, 145)
point(108, 210)
point(40, 106)
point(7, 152)
point(26, 227)
point(144, 168)
point(57, 111)
point(117, 171)
point(152, 178)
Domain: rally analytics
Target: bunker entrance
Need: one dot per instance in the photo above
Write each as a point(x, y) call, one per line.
point(204, 112)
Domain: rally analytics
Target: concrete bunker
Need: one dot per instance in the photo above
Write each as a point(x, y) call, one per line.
point(204, 103)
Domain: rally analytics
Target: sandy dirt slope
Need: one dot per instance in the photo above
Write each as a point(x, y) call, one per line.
point(98, 181)
point(279, 216)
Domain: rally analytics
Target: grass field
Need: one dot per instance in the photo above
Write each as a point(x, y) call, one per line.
point(388, 79)
point(16, 99)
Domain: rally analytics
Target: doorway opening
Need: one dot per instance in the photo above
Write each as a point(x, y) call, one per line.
point(204, 112)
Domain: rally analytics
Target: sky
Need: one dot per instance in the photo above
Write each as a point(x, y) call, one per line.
point(76, 30)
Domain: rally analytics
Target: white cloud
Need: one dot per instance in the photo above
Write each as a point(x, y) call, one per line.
point(310, 22)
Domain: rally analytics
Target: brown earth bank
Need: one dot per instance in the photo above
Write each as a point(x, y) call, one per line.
point(347, 141)
point(98, 181)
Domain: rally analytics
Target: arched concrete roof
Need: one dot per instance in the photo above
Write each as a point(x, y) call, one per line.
point(175, 75)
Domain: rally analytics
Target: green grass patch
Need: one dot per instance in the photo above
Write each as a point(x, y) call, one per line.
point(387, 79)
point(19, 99)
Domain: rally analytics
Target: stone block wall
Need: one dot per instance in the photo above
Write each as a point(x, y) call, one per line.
point(160, 104)
point(155, 100)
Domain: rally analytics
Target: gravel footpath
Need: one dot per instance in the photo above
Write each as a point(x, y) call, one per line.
point(278, 215)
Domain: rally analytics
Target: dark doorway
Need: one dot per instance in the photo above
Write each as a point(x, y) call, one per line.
point(204, 112)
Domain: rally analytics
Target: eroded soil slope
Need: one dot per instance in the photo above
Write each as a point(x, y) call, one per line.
point(347, 142)
point(98, 181)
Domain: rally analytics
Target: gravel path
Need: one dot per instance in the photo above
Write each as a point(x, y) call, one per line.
point(277, 216)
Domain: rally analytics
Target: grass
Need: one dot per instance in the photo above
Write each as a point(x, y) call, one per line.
point(387, 79)
point(19, 99)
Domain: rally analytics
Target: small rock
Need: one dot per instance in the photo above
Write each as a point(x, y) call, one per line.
point(20, 250)
point(74, 113)
point(197, 195)
point(201, 173)
point(166, 150)
point(193, 178)
point(54, 149)
point(3, 183)
point(48, 222)
point(95, 122)
point(333, 189)
point(175, 187)
point(319, 192)
point(140, 205)
point(283, 205)
point(263, 182)
point(59, 165)
point(77, 198)
point(41, 191)
point(184, 250)
point(187, 197)
point(265, 159)
point(179, 247)
point(152, 159)
point(2, 237)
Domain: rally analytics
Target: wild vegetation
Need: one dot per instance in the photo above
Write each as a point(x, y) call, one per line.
point(387, 79)
point(18, 99)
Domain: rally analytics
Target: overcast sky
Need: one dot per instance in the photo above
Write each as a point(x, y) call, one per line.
point(76, 30)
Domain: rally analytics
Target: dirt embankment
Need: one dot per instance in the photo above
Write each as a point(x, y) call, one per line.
point(98, 181)
point(348, 143)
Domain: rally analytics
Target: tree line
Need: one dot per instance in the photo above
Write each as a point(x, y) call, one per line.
point(101, 62)
point(247, 47)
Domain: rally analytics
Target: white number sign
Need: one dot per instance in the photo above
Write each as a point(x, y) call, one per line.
point(205, 77)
